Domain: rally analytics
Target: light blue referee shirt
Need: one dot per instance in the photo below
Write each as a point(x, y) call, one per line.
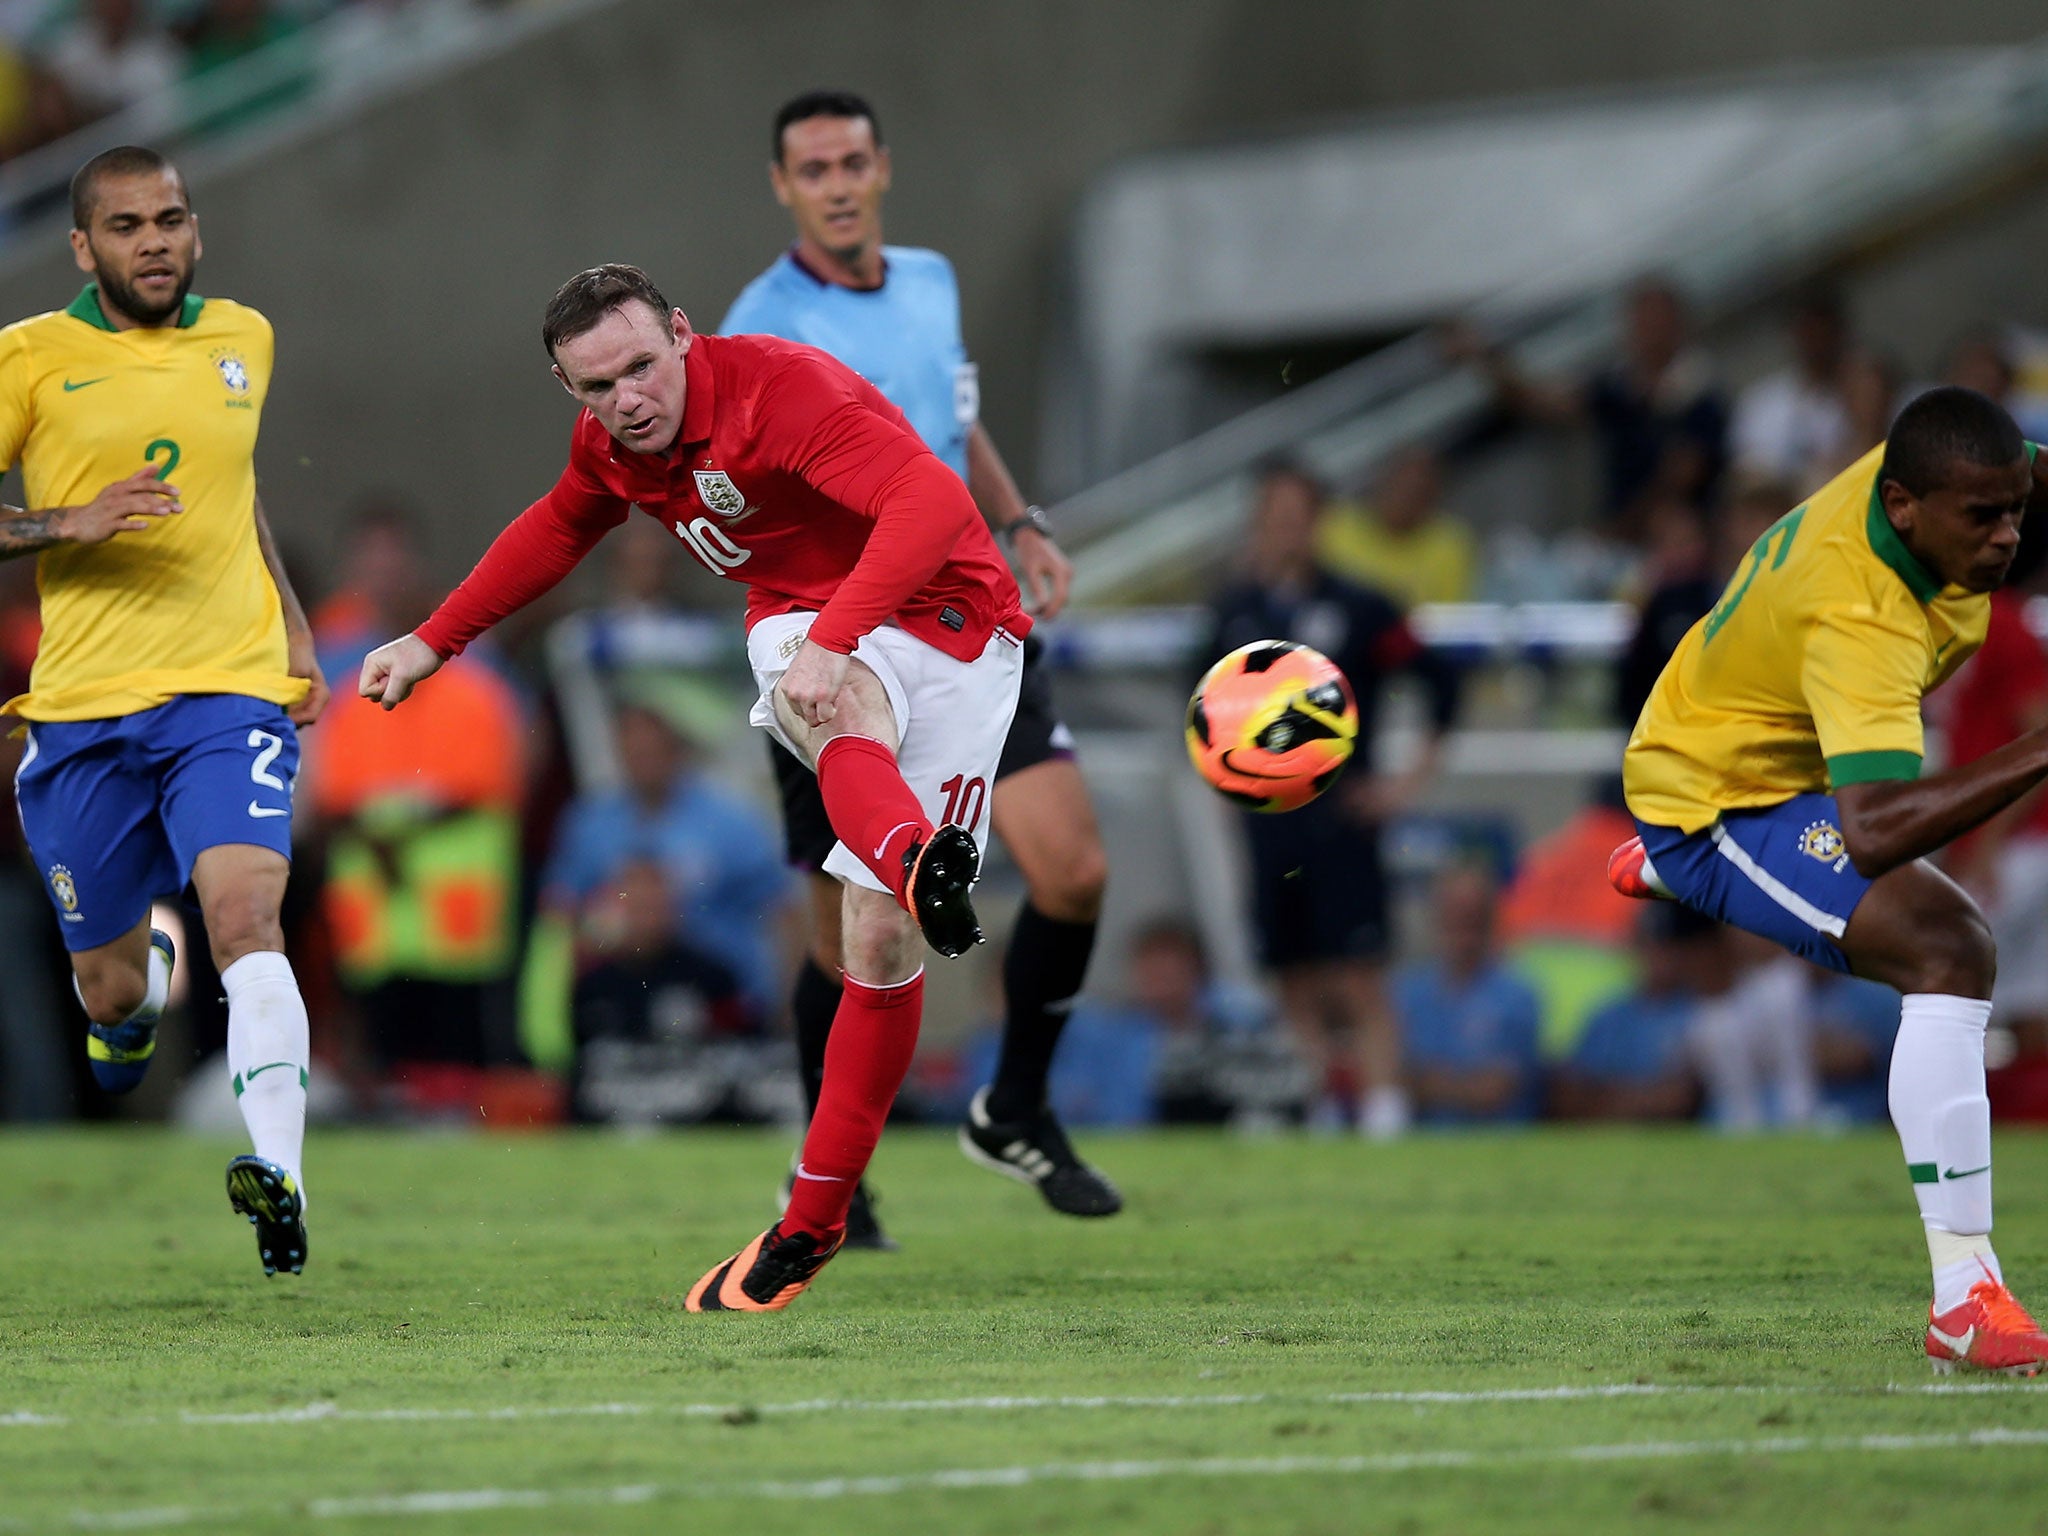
point(903, 337)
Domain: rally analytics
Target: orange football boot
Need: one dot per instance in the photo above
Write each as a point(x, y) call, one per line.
point(765, 1276)
point(1989, 1332)
point(1629, 872)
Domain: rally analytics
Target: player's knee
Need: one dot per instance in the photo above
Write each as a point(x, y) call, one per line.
point(881, 942)
point(112, 993)
point(1070, 888)
point(241, 925)
point(1959, 957)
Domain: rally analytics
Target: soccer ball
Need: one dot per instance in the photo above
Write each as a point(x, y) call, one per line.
point(1271, 725)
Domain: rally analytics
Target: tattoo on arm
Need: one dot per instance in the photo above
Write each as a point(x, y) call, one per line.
point(27, 533)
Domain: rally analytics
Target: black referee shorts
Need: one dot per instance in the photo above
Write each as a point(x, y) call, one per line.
point(1036, 736)
point(1319, 887)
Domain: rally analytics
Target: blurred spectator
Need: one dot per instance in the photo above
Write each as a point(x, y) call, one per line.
point(381, 574)
point(1870, 395)
point(663, 1035)
point(111, 55)
point(1983, 360)
point(1855, 1023)
point(1402, 541)
point(1754, 1038)
point(34, 106)
point(640, 558)
point(230, 31)
point(1319, 884)
point(1632, 1062)
point(1794, 426)
point(1658, 412)
point(1566, 929)
point(1469, 1025)
point(41, 1028)
point(720, 856)
point(1219, 1060)
point(421, 818)
point(1687, 583)
point(2000, 695)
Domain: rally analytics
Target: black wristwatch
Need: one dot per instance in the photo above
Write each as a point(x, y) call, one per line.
point(1034, 517)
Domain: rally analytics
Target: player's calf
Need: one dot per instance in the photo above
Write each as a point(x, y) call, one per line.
point(121, 1044)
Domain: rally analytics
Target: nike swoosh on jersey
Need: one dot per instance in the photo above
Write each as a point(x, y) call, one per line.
point(69, 387)
point(1959, 1342)
point(266, 810)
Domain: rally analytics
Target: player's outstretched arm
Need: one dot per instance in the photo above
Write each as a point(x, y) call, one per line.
point(393, 670)
point(1889, 824)
point(126, 506)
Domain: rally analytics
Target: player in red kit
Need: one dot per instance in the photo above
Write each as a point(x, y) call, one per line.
point(883, 627)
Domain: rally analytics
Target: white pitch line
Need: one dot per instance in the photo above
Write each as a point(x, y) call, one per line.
point(471, 1500)
point(333, 1413)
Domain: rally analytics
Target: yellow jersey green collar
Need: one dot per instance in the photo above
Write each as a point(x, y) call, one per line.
point(1886, 544)
point(86, 307)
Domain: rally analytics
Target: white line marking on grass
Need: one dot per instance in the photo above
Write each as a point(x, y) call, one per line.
point(470, 1500)
point(334, 1413)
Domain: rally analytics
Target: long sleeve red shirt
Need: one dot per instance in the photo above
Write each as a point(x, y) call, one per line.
point(792, 474)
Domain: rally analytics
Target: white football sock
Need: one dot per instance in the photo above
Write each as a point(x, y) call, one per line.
point(156, 990)
point(1944, 1125)
point(268, 1051)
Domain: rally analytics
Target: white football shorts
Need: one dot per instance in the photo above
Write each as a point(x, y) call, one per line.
point(952, 718)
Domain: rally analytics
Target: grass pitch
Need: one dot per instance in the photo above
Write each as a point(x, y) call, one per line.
point(1564, 1331)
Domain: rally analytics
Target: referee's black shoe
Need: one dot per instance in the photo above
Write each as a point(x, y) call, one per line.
point(939, 876)
point(1035, 1151)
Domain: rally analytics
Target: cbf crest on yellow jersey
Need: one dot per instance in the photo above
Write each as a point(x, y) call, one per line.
point(186, 605)
point(1809, 672)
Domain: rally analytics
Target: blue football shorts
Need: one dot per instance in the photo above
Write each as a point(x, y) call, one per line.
point(116, 811)
point(1780, 871)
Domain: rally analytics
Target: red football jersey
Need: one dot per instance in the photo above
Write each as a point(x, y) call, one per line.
point(2000, 694)
point(791, 473)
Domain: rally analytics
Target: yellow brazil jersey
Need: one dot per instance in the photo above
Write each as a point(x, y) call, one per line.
point(1809, 672)
point(186, 605)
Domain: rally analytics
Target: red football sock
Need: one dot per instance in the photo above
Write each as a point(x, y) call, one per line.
point(871, 809)
point(866, 1060)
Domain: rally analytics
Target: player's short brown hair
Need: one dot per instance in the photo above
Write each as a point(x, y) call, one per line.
point(121, 160)
point(581, 303)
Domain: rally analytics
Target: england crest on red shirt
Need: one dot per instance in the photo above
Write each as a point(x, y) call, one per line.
point(720, 495)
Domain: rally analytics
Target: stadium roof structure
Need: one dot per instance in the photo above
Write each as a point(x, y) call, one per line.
point(1528, 216)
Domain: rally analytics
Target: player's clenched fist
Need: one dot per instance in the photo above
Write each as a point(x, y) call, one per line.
point(126, 506)
point(813, 682)
point(393, 670)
